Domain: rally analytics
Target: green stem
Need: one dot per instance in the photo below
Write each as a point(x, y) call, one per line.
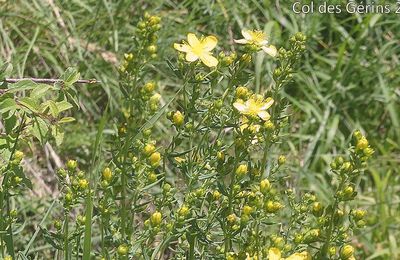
point(66, 243)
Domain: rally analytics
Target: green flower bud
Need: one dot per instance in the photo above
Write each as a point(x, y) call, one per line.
point(122, 250)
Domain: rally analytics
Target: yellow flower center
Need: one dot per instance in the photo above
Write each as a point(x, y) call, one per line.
point(254, 107)
point(198, 49)
point(257, 36)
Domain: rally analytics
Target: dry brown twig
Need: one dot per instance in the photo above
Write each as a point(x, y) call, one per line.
point(51, 81)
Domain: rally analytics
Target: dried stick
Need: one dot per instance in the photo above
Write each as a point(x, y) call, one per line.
point(52, 81)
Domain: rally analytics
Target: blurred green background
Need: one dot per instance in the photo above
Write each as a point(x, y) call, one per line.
point(349, 79)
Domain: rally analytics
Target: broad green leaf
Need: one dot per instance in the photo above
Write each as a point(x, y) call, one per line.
point(63, 105)
point(10, 123)
point(21, 86)
point(30, 103)
point(58, 134)
point(53, 108)
point(39, 129)
point(70, 76)
point(8, 104)
point(40, 90)
point(66, 120)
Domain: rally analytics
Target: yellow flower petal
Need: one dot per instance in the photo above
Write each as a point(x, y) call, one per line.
point(181, 47)
point(190, 56)
point(192, 39)
point(270, 50)
point(240, 106)
point(247, 34)
point(267, 103)
point(274, 254)
point(264, 115)
point(209, 60)
point(209, 43)
point(241, 41)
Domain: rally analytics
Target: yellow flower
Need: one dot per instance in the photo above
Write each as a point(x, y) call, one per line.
point(259, 39)
point(199, 49)
point(275, 254)
point(255, 106)
point(300, 256)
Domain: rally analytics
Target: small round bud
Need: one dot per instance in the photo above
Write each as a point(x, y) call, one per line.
point(216, 195)
point(220, 156)
point(71, 165)
point(122, 250)
point(152, 49)
point(178, 119)
point(107, 174)
point(317, 209)
point(269, 125)
point(167, 187)
point(83, 184)
point(149, 87)
point(332, 251)
point(346, 252)
point(358, 135)
point(231, 219)
point(155, 159)
point(149, 149)
point(362, 143)
point(241, 170)
point(156, 218)
point(18, 156)
point(241, 92)
point(265, 186)
point(282, 160)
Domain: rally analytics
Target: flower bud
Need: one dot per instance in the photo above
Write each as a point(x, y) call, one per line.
point(83, 184)
point(152, 177)
point(152, 49)
point(231, 219)
point(269, 125)
point(358, 135)
point(281, 160)
point(241, 170)
point(220, 156)
point(71, 165)
point(156, 218)
point(216, 195)
point(149, 149)
point(107, 174)
point(346, 252)
point(358, 214)
point(149, 87)
point(178, 119)
point(317, 209)
point(247, 210)
point(18, 156)
point(184, 211)
point(122, 250)
point(241, 92)
point(155, 159)
point(362, 143)
point(265, 186)
point(332, 251)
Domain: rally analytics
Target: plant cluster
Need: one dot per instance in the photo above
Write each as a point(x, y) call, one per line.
point(218, 188)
